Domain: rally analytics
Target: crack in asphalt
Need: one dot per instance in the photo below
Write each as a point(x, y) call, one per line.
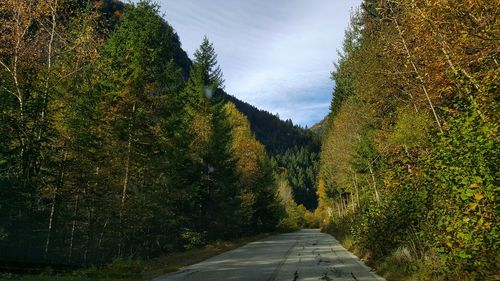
point(283, 260)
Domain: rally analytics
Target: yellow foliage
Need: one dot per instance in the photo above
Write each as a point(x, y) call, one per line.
point(202, 127)
point(478, 196)
point(246, 148)
point(472, 206)
point(473, 186)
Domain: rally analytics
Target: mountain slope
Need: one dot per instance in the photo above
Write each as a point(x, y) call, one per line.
point(277, 135)
point(294, 150)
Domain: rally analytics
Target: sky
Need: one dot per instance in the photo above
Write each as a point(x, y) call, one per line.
point(275, 54)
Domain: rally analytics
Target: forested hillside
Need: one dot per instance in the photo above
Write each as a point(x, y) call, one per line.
point(409, 161)
point(320, 128)
point(114, 144)
point(278, 136)
point(294, 150)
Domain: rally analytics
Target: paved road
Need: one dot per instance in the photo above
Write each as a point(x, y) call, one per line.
point(303, 255)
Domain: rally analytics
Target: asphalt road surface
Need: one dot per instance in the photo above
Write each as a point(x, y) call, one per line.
point(303, 255)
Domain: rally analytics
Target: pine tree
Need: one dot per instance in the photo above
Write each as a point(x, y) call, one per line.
point(217, 193)
point(148, 122)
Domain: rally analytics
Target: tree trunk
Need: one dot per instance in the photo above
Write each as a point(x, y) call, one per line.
point(344, 202)
point(453, 67)
point(377, 197)
point(102, 233)
point(90, 231)
point(419, 77)
point(355, 187)
point(352, 202)
point(60, 181)
point(127, 172)
point(338, 208)
point(73, 228)
point(50, 46)
point(127, 162)
point(413, 102)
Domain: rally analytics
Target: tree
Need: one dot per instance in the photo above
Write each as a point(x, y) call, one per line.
point(146, 119)
point(260, 209)
point(47, 46)
point(403, 145)
point(212, 146)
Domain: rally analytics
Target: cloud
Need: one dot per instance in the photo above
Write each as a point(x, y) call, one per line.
point(277, 54)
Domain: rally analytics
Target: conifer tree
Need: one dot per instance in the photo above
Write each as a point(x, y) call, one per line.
point(146, 116)
point(217, 194)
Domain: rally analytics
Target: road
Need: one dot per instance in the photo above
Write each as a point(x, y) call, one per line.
point(304, 255)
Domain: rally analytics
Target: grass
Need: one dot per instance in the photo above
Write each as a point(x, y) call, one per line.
point(400, 265)
point(392, 268)
point(396, 267)
point(139, 270)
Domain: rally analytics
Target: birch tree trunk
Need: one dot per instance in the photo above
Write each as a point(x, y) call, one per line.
point(127, 161)
point(127, 172)
point(417, 72)
point(59, 185)
point(73, 228)
point(50, 46)
point(374, 182)
point(355, 187)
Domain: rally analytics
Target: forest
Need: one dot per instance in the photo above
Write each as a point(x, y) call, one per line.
point(294, 150)
point(114, 144)
point(409, 161)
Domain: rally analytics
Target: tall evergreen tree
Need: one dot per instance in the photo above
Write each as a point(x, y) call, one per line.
point(218, 195)
point(146, 118)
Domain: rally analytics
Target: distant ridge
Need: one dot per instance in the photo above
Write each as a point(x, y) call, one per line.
point(277, 135)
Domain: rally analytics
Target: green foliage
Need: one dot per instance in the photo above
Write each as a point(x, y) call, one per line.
point(294, 216)
point(218, 194)
point(461, 172)
point(276, 135)
point(293, 150)
point(343, 73)
point(192, 239)
point(3, 235)
point(294, 219)
point(411, 129)
point(409, 160)
point(300, 167)
point(397, 214)
point(113, 154)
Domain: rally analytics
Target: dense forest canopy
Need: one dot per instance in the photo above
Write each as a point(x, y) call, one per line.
point(409, 159)
point(115, 144)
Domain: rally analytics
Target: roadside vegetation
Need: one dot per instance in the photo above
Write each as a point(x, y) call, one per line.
point(134, 269)
point(409, 164)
